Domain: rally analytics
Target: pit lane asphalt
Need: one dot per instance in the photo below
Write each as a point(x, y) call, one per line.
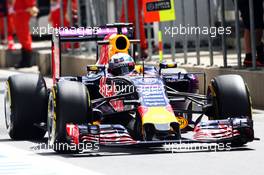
point(120, 161)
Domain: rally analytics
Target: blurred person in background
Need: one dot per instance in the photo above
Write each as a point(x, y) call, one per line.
point(54, 16)
point(10, 25)
point(24, 10)
point(132, 19)
point(243, 6)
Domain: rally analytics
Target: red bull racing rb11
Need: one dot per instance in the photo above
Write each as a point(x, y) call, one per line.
point(120, 102)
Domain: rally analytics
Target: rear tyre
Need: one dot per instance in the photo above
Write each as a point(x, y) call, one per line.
point(25, 106)
point(230, 97)
point(69, 102)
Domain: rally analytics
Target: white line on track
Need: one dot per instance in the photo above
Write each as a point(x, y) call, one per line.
point(22, 162)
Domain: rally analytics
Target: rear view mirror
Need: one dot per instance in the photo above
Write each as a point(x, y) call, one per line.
point(95, 68)
point(165, 65)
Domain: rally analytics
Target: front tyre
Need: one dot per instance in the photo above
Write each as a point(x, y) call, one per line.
point(230, 97)
point(69, 102)
point(25, 106)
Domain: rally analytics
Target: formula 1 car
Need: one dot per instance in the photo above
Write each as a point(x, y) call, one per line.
point(120, 102)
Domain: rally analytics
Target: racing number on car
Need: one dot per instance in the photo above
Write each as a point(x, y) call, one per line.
point(108, 91)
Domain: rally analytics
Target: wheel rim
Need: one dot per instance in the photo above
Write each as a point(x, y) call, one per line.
point(7, 103)
point(51, 123)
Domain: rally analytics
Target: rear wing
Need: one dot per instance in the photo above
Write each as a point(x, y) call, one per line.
point(96, 34)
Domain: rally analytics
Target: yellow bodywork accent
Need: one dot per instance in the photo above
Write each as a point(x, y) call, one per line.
point(96, 123)
point(171, 65)
point(112, 45)
point(158, 115)
point(183, 122)
point(139, 69)
point(94, 68)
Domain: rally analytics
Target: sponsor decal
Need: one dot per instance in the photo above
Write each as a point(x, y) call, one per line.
point(183, 122)
point(109, 91)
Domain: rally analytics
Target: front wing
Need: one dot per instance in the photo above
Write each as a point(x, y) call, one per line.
point(213, 131)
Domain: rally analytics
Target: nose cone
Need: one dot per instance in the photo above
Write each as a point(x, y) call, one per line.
point(158, 115)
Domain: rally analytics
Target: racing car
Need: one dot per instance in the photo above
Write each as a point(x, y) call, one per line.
point(121, 101)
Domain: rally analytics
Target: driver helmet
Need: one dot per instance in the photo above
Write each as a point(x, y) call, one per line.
point(121, 64)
